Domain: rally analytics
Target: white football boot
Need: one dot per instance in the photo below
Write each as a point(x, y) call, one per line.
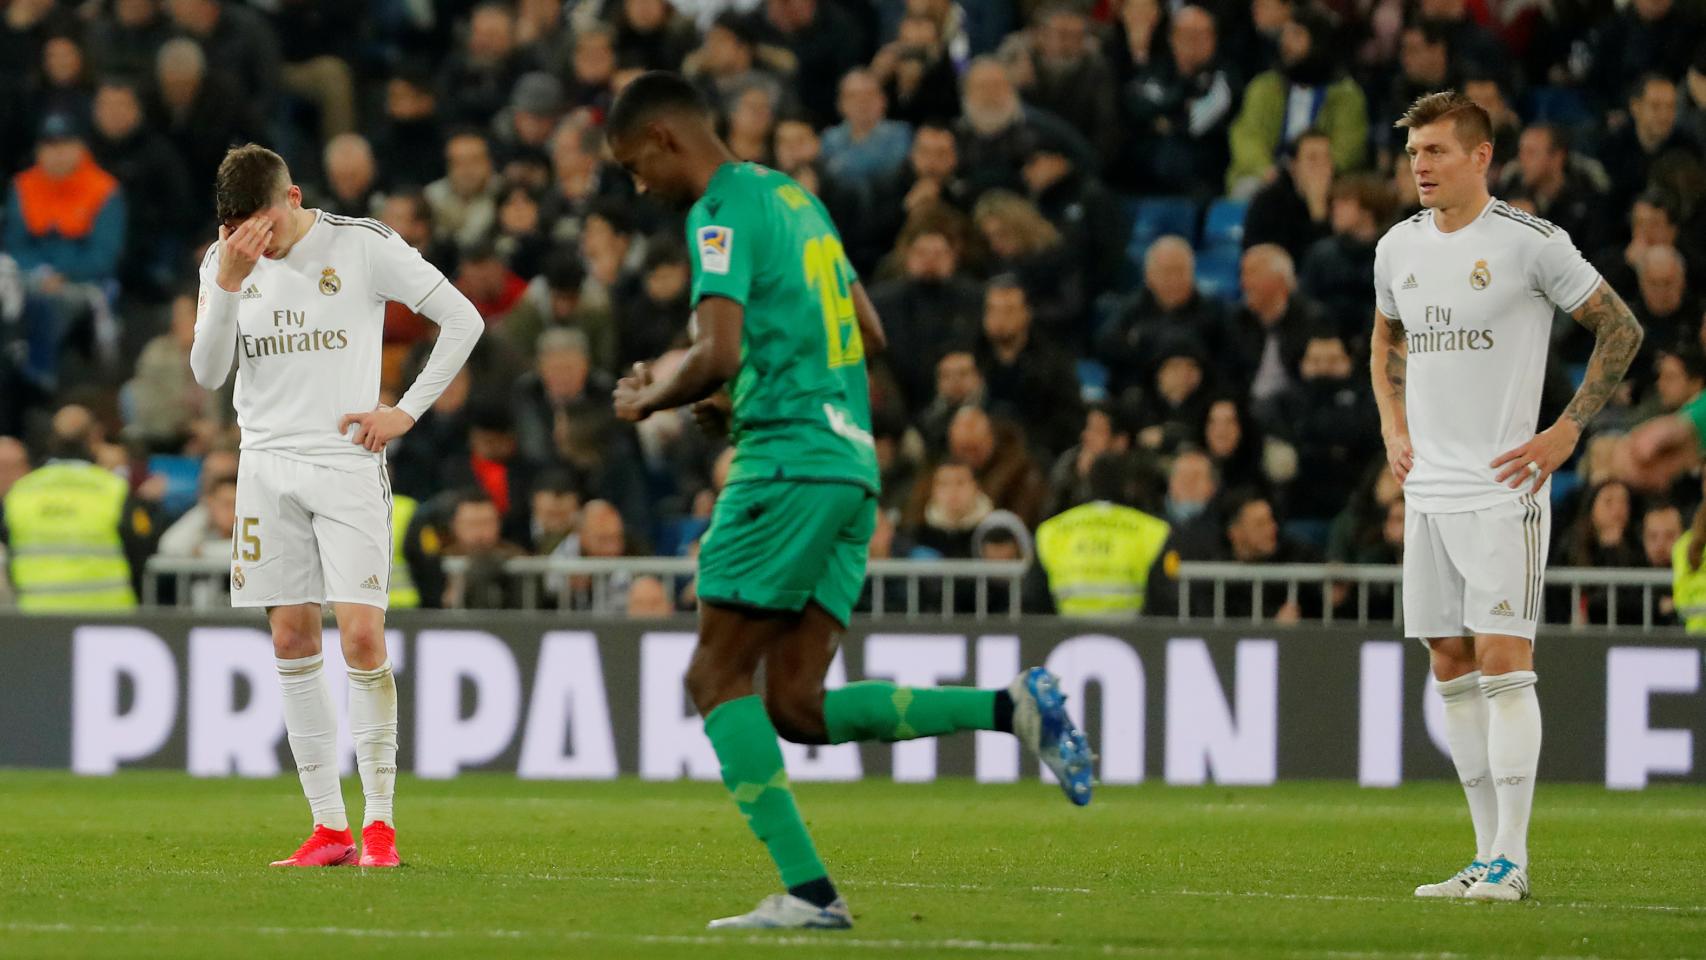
point(1458, 885)
point(781, 911)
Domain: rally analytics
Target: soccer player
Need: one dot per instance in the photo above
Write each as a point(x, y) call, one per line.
point(1465, 292)
point(296, 298)
point(782, 318)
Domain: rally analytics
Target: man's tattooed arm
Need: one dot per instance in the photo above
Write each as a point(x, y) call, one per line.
point(1617, 336)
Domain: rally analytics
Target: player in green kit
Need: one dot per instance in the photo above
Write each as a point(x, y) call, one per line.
point(783, 321)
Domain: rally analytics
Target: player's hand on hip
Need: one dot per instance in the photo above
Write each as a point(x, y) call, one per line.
point(1400, 456)
point(1534, 461)
point(240, 250)
point(627, 399)
point(375, 428)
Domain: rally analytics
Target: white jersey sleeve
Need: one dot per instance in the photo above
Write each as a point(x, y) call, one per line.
point(1384, 301)
point(400, 273)
point(1561, 273)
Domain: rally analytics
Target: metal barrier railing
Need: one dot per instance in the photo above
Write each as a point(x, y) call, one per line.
point(933, 587)
point(894, 587)
point(1219, 577)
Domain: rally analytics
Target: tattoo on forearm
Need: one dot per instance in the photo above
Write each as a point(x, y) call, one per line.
point(1396, 355)
point(1617, 336)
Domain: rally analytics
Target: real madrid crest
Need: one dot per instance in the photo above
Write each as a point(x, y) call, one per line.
point(1479, 277)
point(237, 576)
point(330, 284)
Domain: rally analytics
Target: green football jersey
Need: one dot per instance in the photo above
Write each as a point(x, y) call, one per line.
point(802, 405)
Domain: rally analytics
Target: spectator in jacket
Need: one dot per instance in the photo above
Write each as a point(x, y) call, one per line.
point(1308, 72)
point(239, 42)
point(1253, 536)
point(202, 111)
point(917, 75)
point(1169, 308)
point(1329, 417)
point(1651, 144)
point(1563, 187)
point(1030, 380)
point(1179, 110)
point(929, 307)
point(1067, 76)
point(1336, 269)
point(1269, 332)
point(999, 461)
point(954, 509)
point(475, 82)
point(465, 201)
point(1295, 209)
point(866, 148)
point(65, 216)
point(996, 130)
point(156, 188)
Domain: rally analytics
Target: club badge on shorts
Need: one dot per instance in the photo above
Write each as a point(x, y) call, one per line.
point(329, 282)
point(237, 579)
point(1480, 277)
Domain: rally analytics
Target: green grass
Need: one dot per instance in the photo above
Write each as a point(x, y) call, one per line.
point(161, 865)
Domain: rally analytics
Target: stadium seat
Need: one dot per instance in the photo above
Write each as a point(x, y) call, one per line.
point(1223, 226)
point(1564, 484)
point(183, 477)
point(1156, 217)
point(1217, 274)
point(1092, 381)
point(1559, 105)
point(675, 536)
point(1577, 372)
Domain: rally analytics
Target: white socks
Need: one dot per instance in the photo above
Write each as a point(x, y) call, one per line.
point(1513, 754)
point(373, 726)
point(1466, 732)
point(312, 723)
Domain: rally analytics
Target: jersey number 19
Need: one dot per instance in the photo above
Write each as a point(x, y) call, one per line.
point(824, 262)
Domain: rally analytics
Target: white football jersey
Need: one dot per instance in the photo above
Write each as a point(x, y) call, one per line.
point(310, 327)
point(1477, 306)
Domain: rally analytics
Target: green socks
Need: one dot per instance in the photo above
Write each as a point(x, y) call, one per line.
point(745, 741)
point(879, 710)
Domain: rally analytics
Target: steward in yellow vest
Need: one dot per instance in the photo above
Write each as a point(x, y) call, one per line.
point(64, 526)
point(1103, 557)
point(404, 595)
point(1688, 587)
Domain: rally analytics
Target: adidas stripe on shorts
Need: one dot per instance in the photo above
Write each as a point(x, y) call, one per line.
point(310, 533)
point(1479, 571)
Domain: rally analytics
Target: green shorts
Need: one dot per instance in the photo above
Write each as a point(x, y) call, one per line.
point(778, 544)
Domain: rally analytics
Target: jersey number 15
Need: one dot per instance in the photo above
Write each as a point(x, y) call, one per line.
point(826, 272)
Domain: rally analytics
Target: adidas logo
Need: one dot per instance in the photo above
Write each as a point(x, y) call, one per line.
point(251, 292)
point(1504, 609)
point(1409, 282)
point(372, 583)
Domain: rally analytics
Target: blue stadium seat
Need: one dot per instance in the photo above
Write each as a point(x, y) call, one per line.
point(676, 535)
point(1560, 105)
point(1223, 227)
point(1217, 274)
point(1564, 484)
point(1092, 381)
point(1156, 217)
point(183, 477)
point(1577, 372)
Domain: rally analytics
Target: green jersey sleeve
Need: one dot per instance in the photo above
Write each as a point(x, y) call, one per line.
point(722, 237)
point(1694, 411)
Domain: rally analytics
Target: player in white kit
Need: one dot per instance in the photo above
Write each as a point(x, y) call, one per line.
point(1465, 293)
point(296, 298)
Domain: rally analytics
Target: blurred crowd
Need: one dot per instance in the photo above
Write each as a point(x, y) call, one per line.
point(1120, 231)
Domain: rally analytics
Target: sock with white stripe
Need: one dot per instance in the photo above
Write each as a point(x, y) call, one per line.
point(1513, 752)
point(1466, 733)
point(373, 726)
point(312, 723)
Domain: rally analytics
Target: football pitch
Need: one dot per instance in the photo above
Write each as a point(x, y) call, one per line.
point(163, 865)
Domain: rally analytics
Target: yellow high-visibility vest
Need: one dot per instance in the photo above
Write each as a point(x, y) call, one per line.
point(404, 595)
point(1688, 587)
point(1097, 557)
point(66, 553)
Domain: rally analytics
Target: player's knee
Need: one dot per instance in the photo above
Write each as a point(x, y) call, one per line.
point(797, 716)
point(710, 686)
point(293, 641)
point(363, 644)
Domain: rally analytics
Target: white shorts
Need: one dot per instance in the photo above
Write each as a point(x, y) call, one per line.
point(1476, 572)
point(310, 534)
